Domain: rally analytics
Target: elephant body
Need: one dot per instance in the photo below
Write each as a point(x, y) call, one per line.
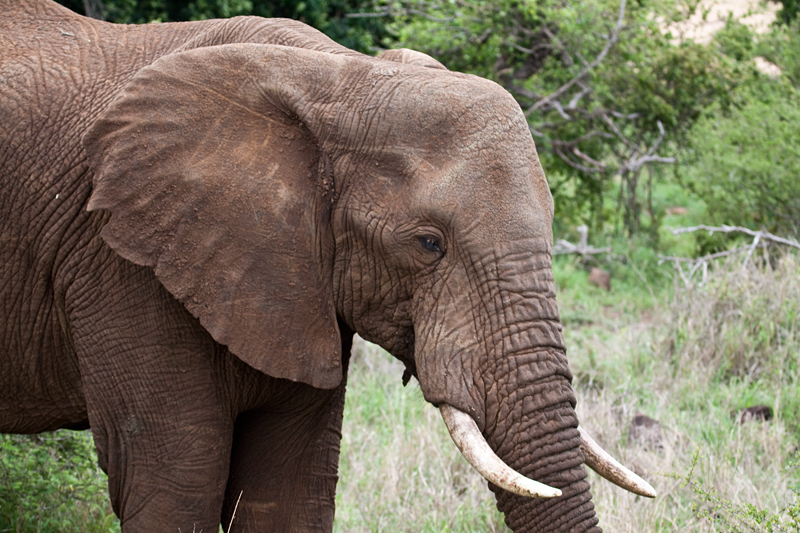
point(73, 350)
point(207, 347)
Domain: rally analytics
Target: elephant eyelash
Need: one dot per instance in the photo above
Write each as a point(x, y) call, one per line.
point(431, 244)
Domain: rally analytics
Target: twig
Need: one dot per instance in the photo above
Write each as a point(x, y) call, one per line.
point(619, 133)
point(750, 251)
point(664, 258)
point(565, 247)
point(384, 13)
point(235, 507)
point(573, 164)
point(635, 164)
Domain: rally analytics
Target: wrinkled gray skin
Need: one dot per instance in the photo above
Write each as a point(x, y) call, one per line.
point(192, 233)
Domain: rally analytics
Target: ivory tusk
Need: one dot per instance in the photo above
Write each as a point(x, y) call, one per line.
point(601, 462)
point(476, 451)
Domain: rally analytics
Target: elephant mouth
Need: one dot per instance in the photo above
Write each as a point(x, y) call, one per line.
point(469, 440)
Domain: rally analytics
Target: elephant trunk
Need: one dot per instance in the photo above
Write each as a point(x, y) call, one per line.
point(536, 434)
point(466, 435)
point(476, 451)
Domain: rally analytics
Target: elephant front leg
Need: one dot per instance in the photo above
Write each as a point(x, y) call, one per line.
point(158, 405)
point(284, 463)
point(164, 438)
point(164, 477)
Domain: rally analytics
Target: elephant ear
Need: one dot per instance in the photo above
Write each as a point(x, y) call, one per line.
point(214, 181)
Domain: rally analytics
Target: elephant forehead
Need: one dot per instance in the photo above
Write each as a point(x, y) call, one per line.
point(473, 113)
point(501, 192)
point(423, 108)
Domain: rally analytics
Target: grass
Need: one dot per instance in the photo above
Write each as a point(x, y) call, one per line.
point(692, 363)
point(399, 469)
point(689, 358)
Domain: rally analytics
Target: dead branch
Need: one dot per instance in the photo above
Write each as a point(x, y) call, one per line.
point(574, 164)
point(702, 262)
point(565, 247)
point(635, 164)
point(732, 229)
point(386, 12)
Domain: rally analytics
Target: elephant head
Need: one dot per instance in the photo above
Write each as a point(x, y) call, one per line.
point(276, 191)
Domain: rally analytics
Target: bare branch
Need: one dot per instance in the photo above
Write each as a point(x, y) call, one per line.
point(574, 164)
point(555, 104)
point(535, 133)
point(584, 137)
point(633, 164)
point(636, 164)
point(762, 234)
point(618, 133)
point(385, 13)
point(631, 116)
point(577, 98)
point(612, 39)
point(598, 164)
point(750, 251)
point(429, 17)
point(702, 262)
point(692, 260)
point(565, 247)
point(528, 50)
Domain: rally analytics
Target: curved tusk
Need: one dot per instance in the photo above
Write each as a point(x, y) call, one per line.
point(601, 462)
point(476, 451)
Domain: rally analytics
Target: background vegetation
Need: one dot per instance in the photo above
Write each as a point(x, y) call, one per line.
point(640, 129)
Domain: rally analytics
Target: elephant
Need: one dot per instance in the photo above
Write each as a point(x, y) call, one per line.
point(197, 219)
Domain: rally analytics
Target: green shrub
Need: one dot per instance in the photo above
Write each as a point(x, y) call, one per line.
point(747, 162)
point(735, 40)
point(51, 482)
point(782, 47)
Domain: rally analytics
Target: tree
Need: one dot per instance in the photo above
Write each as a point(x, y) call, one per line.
point(608, 97)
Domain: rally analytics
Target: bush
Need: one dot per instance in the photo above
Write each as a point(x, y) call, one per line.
point(51, 482)
point(746, 163)
point(782, 47)
point(735, 40)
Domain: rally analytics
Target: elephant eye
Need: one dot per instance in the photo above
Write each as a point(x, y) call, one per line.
point(431, 244)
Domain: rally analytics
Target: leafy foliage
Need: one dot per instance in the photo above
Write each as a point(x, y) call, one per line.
point(789, 11)
point(747, 161)
point(51, 482)
point(735, 40)
point(782, 47)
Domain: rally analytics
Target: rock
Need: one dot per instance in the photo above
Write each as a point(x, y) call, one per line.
point(760, 413)
point(600, 278)
point(647, 431)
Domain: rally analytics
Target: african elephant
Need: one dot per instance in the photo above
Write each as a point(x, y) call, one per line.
point(197, 218)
